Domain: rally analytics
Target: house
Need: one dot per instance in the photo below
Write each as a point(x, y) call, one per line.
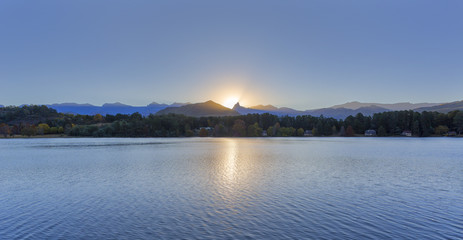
point(370, 133)
point(264, 133)
point(209, 130)
point(407, 133)
point(308, 133)
point(452, 134)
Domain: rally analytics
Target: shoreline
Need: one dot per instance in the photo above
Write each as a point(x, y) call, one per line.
point(66, 136)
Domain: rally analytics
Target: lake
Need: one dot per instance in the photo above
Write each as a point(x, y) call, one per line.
point(231, 188)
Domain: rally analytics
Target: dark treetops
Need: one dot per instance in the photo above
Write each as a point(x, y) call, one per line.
point(40, 120)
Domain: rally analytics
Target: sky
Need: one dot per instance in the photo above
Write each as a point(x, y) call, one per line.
point(300, 54)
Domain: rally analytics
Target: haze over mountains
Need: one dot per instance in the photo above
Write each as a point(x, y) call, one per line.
point(443, 108)
point(338, 111)
point(394, 106)
point(111, 108)
point(211, 108)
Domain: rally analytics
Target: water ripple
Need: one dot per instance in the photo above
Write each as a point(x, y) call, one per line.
point(231, 189)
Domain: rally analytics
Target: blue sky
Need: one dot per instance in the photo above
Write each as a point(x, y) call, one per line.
point(300, 54)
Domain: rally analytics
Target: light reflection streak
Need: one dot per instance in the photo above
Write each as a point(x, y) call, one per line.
point(230, 163)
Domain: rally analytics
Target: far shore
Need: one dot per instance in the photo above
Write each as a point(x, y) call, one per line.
point(38, 136)
point(356, 136)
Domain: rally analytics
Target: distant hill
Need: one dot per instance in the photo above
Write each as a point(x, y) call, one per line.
point(109, 108)
point(338, 112)
point(265, 107)
point(443, 108)
point(283, 111)
point(341, 113)
point(259, 109)
point(116, 104)
point(243, 110)
point(390, 106)
point(215, 109)
point(206, 109)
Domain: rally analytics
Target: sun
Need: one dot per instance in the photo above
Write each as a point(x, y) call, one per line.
point(231, 101)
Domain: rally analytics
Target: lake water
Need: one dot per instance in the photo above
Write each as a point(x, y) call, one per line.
point(230, 188)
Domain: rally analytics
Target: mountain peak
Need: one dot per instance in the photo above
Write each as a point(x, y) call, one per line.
point(237, 105)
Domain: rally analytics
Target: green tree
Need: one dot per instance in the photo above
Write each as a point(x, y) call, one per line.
point(300, 132)
point(315, 132)
point(416, 128)
point(270, 131)
point(359, 123)
point(382, 131)
point(286, 131)
point(276, 129)
point(254, 130)
point(53, 130)
point(458, 122)
point(441, 130)
point(219, 130)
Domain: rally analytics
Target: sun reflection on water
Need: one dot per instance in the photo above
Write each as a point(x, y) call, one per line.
point(235, 167)
point(230, 163)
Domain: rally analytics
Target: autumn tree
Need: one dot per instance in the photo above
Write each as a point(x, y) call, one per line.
point(349, 131)
point(29, 130)
point(239, 128)
point(4, 129)
point(43, 128)
point(342, 131)
point(98, 118)
point(334, 130)
point(203, 132)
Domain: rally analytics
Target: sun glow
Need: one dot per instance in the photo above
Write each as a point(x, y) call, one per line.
point(231, 101)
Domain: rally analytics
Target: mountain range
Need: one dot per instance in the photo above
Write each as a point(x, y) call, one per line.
point(394, 106)
point(443, 108)
point(111, 108)
point(206, 109)
point(211, 108)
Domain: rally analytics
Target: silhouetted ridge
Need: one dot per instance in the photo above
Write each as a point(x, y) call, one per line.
point(205, 109)
point(443, 108)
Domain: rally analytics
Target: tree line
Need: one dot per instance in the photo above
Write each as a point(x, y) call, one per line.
point(30, 120)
